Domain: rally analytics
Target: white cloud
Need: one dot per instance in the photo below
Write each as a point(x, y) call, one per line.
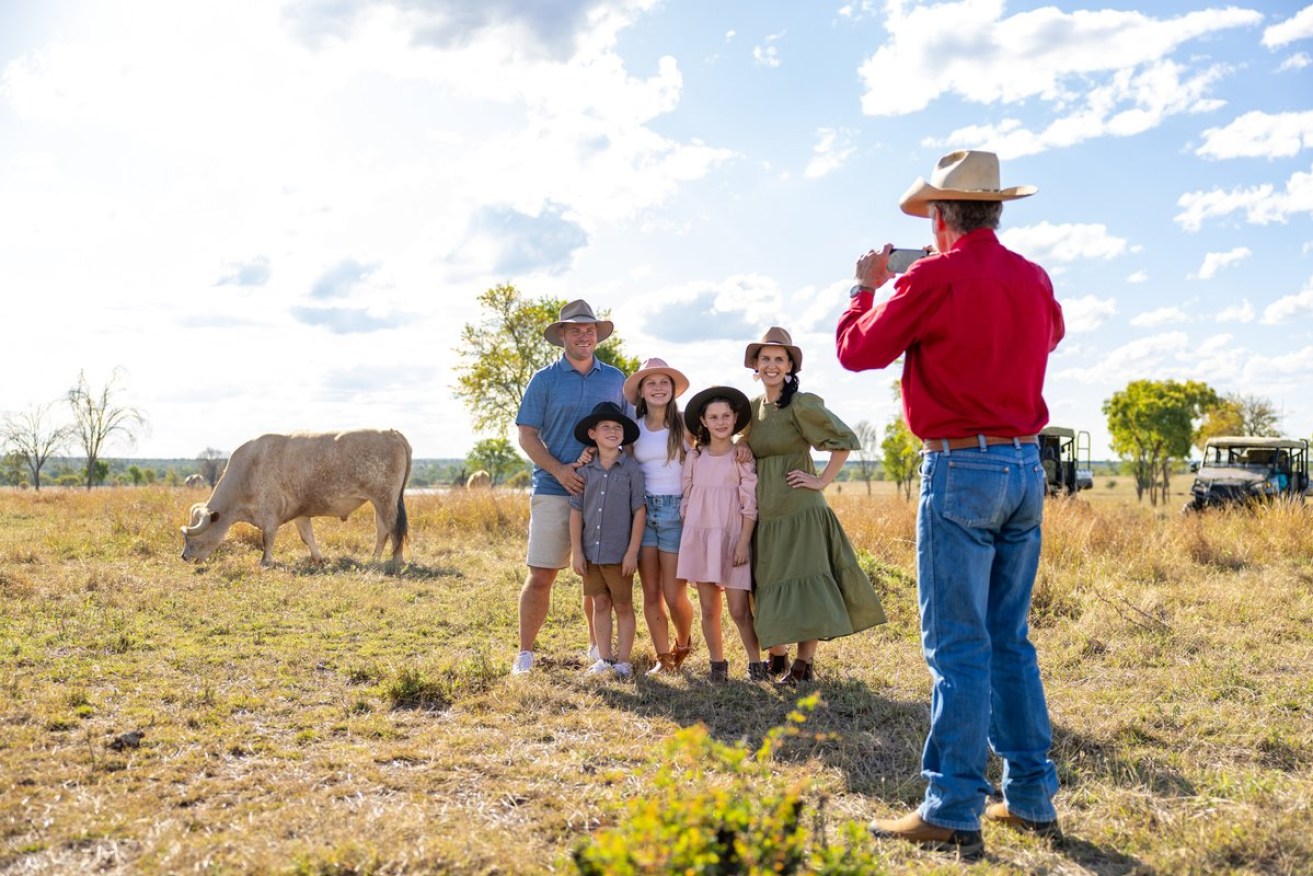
point(1290, 306)
point(1159, 316)
point(1242, 312)
point(1047, 242)
point(1297, 61)
point(1151, 356)
point(768, 55)
point(1087, 313)
point(1215, 261)
point(1297, 27)
point(1138, 277)
point(1260, 135)
point(1261, 204)
point(1103, 73)
point(832, 149)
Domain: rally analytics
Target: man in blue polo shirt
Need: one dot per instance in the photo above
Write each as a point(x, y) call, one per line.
point(557, 397)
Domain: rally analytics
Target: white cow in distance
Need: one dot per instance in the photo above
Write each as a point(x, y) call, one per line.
point(274, 479)
point(194, 481)
point(480, 480)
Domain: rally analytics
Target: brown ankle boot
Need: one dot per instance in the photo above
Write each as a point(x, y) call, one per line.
point(720, 670)
point(681, 652)
point(800, 671)
point(664, 665)
point(757, 671)
point(779, 664)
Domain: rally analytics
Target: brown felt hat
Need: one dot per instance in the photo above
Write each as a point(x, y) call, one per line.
point(575, 312)
point(774, 337)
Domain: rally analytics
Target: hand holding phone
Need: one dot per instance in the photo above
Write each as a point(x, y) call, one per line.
point(901, 259)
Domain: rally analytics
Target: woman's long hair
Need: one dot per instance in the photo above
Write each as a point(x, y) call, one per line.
point(675, 448)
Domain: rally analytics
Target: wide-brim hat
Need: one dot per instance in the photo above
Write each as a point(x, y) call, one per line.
point(774, 337)
point(605, 411)
point(654, 366)
point(577, 311)
point(965, 175)
point(698, 403)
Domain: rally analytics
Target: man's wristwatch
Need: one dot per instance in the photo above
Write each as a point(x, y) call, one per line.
point(859, 289)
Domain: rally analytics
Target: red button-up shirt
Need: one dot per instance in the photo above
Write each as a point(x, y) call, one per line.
point(977, 324)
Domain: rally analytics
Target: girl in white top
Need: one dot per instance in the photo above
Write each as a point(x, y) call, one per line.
point(660, 451)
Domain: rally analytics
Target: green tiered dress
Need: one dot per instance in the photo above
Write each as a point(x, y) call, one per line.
point(807, 582)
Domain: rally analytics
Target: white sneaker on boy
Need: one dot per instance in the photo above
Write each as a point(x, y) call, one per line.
point(594, 653)
point(523, 663)
point(602, 665)
point(623, 670)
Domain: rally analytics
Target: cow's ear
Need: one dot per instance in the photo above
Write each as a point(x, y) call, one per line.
point(214, 515)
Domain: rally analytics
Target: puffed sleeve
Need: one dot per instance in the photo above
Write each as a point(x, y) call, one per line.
point(747, 488)
point(819, 426)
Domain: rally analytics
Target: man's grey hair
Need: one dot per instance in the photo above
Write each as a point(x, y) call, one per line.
point(965, 216)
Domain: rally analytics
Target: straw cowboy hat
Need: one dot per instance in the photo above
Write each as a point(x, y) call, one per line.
point(577, 312)
point(966, 175)
point(610, 412)
point(650, 367)
point(774, 337)
point(698, 403)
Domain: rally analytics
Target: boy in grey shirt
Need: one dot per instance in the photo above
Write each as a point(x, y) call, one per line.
point(606, 530)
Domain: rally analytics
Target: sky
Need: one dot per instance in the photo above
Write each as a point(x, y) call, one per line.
point(259, 216)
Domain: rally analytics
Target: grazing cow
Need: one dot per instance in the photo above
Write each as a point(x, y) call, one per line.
point(276, 478)
point(479, 480)
point(195, 481)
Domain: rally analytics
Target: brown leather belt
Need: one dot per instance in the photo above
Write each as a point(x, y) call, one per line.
point(974, 442)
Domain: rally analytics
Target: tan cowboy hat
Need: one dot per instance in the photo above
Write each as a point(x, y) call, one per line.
point(965, 175)
point(650, 367)
point(575, 312)
point(774, 337)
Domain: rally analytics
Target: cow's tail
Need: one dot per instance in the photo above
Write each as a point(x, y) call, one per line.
point(401, 529)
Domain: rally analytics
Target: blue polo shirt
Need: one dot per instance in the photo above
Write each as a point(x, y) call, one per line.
point(556, 399)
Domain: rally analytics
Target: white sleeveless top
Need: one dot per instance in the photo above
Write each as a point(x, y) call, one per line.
point(661, 477)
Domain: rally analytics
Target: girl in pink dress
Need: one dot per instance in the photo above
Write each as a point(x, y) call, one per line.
point(720, 510)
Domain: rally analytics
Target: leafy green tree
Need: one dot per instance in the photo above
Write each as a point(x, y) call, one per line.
point(136, 475)
point(502, 350)
point(34, 437)
point(1237, 414)
point(497, 457)
point(1151, 423)
point(98, 418)
point(902, 450)
point(866, 458)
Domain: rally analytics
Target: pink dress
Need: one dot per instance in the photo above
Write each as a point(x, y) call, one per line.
point(718, 492)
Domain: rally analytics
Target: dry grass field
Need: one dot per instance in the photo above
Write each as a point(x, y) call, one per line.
point(161, 718)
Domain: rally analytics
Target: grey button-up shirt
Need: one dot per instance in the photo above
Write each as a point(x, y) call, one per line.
point(611, 497)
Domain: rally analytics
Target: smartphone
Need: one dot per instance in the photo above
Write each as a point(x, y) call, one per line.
point(901, 259)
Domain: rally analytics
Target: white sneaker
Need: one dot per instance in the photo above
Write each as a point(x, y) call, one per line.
point(623, 670)
point(523, 663)
point(594, 653)
point(602, 665)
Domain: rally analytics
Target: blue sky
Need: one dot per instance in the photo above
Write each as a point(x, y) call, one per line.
point(276, 216)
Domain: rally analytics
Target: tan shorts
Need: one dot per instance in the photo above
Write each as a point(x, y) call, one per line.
point(607, 578)
point(549, 532)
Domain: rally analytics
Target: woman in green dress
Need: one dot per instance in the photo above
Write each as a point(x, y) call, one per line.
point(808, 585)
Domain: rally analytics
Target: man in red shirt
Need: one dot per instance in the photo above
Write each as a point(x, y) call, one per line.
point(976, 323)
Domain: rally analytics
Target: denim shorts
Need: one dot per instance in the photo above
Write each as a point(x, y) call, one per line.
point(664, 525)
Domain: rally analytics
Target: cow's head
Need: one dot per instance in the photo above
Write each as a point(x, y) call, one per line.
point(203, 534)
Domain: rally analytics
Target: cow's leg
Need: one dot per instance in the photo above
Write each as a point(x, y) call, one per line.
point(308, 536)
point(267, 536)
point(382, 527)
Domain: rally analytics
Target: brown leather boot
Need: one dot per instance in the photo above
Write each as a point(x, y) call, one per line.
point(758, 671)
point(779, 664)
point(969, 844)
point(664, 665)
point(681, 652)
point(720, 670)
point(800, 671)
point(1000, 814)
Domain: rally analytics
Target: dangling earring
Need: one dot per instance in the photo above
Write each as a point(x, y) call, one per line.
point(756, 375)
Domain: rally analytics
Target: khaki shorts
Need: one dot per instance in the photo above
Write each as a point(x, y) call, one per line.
point(607, 578)
point(549, 532)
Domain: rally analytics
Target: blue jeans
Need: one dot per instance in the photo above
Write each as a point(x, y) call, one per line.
point(664, 526)
point(977, 551)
